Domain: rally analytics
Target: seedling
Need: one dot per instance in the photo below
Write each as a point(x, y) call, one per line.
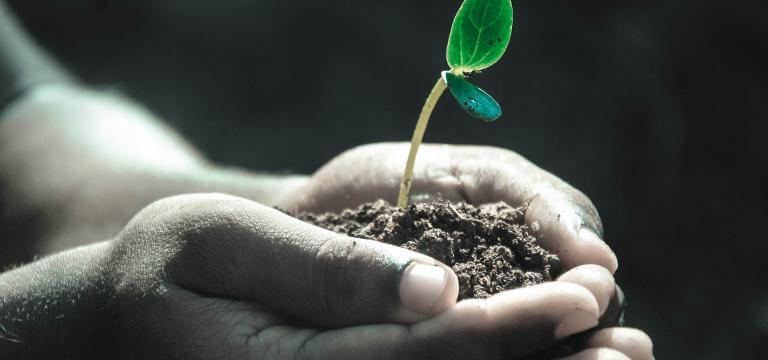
point(479, 37)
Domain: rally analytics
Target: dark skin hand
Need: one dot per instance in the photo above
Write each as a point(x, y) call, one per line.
point(563, 217)
point(221, 276)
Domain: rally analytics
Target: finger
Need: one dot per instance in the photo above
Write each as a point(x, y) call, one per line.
point(614, 315)
point(236, 248)
point(632, 342)
point(601, 284)
point(598, 354)
point(563, 218)
point(507, 325)
point(559, 224)
point(596, 279)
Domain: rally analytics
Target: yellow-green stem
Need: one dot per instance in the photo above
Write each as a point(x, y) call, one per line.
point(418, 135)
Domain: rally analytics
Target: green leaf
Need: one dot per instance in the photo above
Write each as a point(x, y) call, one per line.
point(479, 35)
point(476, 102)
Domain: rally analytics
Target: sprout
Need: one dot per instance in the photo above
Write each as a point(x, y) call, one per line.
point(479, 37)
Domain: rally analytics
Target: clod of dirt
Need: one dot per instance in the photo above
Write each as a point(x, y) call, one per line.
point(488, 246)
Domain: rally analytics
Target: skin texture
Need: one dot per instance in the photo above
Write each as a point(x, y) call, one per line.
point(222, 276)
point(64, 150)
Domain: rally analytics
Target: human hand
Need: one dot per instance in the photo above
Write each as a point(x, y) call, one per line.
point(564, 219)
point(214, 276)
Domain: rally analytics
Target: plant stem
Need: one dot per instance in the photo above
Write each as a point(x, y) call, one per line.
point(418, 135)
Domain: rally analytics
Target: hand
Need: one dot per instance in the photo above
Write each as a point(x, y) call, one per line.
point(564, 219)
point(215, 276)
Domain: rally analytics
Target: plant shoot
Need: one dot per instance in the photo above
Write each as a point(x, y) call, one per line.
point(479, 37)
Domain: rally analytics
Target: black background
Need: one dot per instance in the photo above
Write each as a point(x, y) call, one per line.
point(655, 109)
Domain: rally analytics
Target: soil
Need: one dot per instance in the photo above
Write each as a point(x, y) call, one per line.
point(489, 246)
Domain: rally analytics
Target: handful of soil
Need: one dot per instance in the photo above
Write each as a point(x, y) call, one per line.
point(489, 246)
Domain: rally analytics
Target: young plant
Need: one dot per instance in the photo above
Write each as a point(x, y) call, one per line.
point(479, 37)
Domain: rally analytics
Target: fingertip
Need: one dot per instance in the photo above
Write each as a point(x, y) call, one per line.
point(564, 227)
point(597, 279)
point(584, 247)
point(450, 293)
point(577, 315)
point(591, 239)
point(428, 290)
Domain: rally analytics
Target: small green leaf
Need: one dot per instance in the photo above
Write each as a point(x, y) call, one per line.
point(476, 102)
point(479, 35)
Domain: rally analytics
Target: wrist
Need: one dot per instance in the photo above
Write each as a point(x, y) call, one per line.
point(58, 307)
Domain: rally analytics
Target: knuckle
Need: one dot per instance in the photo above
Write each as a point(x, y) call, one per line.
point(184, 219)
point(335, 279)
point(163, 238)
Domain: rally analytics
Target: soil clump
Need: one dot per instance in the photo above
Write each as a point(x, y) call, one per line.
point(488, 246)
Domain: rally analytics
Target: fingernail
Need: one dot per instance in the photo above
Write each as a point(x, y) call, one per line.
point(422, 286)
point(588, 236)
point(575, 322)
point(614, 314)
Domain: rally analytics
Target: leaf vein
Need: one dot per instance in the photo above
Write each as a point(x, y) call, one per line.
point(480, 30)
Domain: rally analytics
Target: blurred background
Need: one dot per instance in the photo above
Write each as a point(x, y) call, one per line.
point(655, 109)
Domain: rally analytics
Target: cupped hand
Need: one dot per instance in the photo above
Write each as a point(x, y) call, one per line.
point(216, 276)
point(563, 218)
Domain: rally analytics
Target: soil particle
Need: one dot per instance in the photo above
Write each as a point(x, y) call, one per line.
point(489, 246)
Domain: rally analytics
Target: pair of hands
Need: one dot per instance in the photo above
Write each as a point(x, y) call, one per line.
point(216, 276)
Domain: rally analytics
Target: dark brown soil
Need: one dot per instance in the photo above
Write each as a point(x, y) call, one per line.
point(488, 247)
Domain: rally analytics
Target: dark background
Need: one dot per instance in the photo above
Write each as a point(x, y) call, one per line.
point(654, 108)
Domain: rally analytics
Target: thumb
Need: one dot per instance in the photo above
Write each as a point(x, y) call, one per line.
point(252, 252)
